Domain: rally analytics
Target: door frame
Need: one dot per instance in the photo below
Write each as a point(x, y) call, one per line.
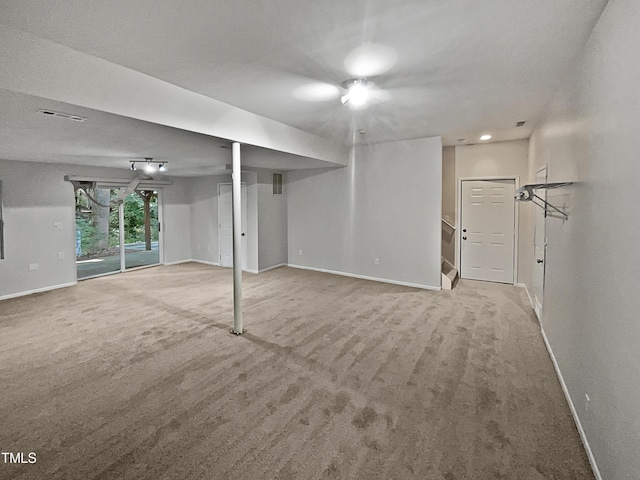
point(539, 311)
point(516, 220)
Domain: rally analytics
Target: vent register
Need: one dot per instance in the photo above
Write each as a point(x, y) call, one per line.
point(67, 116)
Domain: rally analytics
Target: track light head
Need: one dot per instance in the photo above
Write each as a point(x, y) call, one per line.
point(150, 166)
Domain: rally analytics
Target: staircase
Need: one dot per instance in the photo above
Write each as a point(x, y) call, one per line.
point(449, 275)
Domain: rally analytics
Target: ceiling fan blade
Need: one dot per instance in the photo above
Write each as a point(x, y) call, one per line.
point(317, 92)
point(379, 95)
point(370, 60)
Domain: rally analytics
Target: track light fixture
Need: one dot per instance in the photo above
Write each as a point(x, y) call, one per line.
point(150, 165)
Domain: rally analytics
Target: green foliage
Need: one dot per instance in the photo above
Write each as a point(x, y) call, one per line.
point(92, 241)
point(133, 220)
point(87, 234)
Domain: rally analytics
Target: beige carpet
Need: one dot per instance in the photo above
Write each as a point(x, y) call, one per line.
point(135, 376)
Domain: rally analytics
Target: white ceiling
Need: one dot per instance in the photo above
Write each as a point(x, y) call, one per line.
point(463, 68)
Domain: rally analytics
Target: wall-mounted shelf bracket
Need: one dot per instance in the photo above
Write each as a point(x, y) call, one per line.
point(526, 194)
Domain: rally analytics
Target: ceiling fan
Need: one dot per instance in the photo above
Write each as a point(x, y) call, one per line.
point(363, 64)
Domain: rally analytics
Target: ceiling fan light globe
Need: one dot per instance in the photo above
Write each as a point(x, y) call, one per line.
point(358, 94)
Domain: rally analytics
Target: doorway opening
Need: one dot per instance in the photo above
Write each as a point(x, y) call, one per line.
point(487, 233)
point(539, 248)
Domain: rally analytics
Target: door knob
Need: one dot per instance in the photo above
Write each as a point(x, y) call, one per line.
point(539, 260)
point(464, 230)
point(464, 238)
point(243, 234)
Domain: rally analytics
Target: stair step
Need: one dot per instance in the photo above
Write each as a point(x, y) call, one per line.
point(449, 276)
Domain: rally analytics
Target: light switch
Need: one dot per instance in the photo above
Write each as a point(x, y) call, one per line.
point(57, 225)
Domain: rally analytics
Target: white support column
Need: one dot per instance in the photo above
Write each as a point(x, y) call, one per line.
point(121, 232)
point(237, 240)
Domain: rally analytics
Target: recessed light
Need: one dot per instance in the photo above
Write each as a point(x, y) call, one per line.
point(520, 123)
point(362, 132)
point(462, 140)
point(485, 137)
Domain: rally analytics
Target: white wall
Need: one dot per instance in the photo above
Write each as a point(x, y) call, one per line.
point(385, 204)
point(509, 159)
point(591, 302)
point(272, 222)
point(35, 196)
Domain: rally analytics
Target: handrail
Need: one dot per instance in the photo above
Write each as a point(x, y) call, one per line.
point(448, 224)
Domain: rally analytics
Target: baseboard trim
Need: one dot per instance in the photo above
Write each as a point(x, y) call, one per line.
point(272, 268)
point(205, 262)
point(524, 285)
point(178, 262)
point(365, 277)
point(38, 290)
point(574, 413)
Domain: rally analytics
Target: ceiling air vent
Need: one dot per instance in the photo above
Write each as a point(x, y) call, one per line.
point(68, 116)
point(520, 123)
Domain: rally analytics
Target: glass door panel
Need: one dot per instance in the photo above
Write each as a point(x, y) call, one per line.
point(97, 233)
point(141, 229)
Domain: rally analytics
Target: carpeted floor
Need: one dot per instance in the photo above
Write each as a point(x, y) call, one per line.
point(135, 376)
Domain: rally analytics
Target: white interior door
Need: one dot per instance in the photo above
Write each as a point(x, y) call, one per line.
point(225, 224)
point(487, 219)
point(539, 247)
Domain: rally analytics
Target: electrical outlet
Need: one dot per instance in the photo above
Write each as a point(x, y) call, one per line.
point(300, 252)
point(60, 255)
point(33, 266)
point(57, 225)
point(376, 261)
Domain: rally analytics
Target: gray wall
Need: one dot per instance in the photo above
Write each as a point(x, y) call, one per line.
point(176, 231)
point(591, 302)
point(266, 220)
point(503, 159)
point(35, 196)
point(204, 217)
point(385, 204)
point(272, 222)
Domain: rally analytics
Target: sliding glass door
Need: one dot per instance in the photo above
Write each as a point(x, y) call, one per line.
point(141, 234)
point(113, 237)
point(97, 233)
